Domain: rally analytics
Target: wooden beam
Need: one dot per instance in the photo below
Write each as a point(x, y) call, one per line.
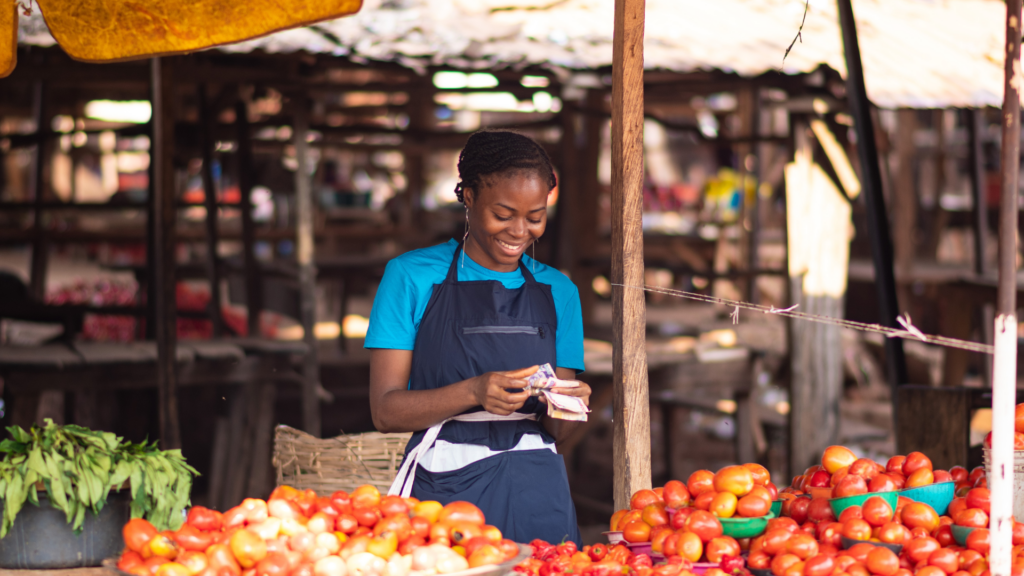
point(163, 265)
point(304, 247)
point(974, 119)
point(903, 197)
point(878, 222)
point(589, 194)
point(1004, 367)
point(631, 405)
point(210, 202)
point(40, 248)
point(568, 191)
point(253, 279)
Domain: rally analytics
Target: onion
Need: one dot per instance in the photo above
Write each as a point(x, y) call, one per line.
point(330, 566)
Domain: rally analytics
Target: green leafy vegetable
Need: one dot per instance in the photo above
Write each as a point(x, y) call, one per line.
point(78, 468)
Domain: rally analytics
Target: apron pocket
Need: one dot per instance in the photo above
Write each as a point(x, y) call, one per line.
point(529, 330)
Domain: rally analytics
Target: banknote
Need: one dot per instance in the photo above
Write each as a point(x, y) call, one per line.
point(566, 407)
point(545, 379)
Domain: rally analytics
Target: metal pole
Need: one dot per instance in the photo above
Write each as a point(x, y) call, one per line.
point(1004, 366)
point(210, 200)
point(164, 212)
point(304, 246)
point(878, 222)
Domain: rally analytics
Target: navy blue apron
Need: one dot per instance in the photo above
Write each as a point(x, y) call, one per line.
point(470, 328)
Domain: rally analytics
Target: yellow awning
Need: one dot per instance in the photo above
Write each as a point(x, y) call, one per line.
point(113, 30)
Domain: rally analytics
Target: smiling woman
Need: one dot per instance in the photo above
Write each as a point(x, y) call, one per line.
point(455, 330)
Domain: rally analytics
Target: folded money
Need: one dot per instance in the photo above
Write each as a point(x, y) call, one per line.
point(566, 407)
point(545, 379)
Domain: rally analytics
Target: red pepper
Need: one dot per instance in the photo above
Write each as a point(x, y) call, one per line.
point(557, 565)
point(620, 554)
point(597, 552)
point(529, 566)
point(732, 564)
point(640, 561)
point(542, 550)
point(567, 548)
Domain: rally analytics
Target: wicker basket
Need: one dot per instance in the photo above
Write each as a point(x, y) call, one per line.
point(341, 463)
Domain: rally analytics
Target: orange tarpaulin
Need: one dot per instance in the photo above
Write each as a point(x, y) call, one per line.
point(112, 30)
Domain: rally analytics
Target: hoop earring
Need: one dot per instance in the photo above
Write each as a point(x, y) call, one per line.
point(464, 237)
point(533, 248)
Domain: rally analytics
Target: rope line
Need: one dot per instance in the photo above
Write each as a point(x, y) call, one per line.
point(909, 330)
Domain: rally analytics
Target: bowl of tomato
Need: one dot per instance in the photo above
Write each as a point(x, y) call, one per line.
point(840, 504)
point(776, 508)
point(745, 527)
point(960, 533)
point(938, 496)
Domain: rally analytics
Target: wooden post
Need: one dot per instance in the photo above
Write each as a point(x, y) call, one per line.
point(974, 119)
point(871, 174)
point(568, 192)
point(903, 199)
point(631, 407)
point(210, 200)
point(1004, 367)
point(304, 245)
point(164, 212)
point(40, 248)
point(589, 194)
point(253, 279)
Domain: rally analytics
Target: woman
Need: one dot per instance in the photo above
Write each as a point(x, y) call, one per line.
point(455, 330)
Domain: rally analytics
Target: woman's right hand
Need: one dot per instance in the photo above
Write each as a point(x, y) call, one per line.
point(489, 390)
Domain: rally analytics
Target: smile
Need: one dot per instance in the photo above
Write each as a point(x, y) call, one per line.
point(509, 247)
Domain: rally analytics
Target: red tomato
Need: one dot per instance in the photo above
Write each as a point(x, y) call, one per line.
point(460, 511)
point(204, 518)
point(919, 549)
point(783, 562)
point(819, 510)
point(775, 540)
point(830, 533)
point(836, 457)
point(851, 513)
point(675, 494)
point(857, 530)
point(761, 475)
point(930, 571)
point(636, 531)
point(720, 547)
point(798, 509)
point(895, 464)
point(341, 502)
point(892, 533)
point(959, 474)
point(882, 561)
point(753, 506)
point(758, 560)
point(919, 515)
point(944, 559)
point(643, 499)
point(942, 476)
point(973, 517)
point(860, 552)
point(736, 480)
point(820, 479)
point(882, 483)
point(399, 524)
point(866, 468)
point(703, 502)
point(957, 506)
point(704, 525)
point(365, 496)
point(802, 546)
point(189, 537)
point(916, 461)
point(689, 546)
point(275, 564)
point(366, 516)
point(700, 482)
point(944, 535)
point(391, 505)
point(851, 485)
point(655, 514)
point(976, 473)
point(137, 533)
point(678, 518)
point(1018, 533)
point(980, 498)
point(920, 477)
point(877, 511)
point(978, 541)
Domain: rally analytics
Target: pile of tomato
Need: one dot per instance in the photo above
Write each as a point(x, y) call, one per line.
point(617, 560)
point(298, 533)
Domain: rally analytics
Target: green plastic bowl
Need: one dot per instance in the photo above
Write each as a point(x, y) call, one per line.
point(840, 504)
point(745, 527)
point(776, 508)
point(960, 533)
point(938, 496)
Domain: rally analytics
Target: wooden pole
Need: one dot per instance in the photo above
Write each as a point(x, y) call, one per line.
point(1004, 366)
point(871, 174)
point(974, 118)
point(164, 212)
point(631, 407)
point(307, 271)
point(210, 200)
point(40, 248)
point(253, 280)
point(568, 192)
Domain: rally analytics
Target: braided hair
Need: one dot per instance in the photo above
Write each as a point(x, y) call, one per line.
point(491, 152)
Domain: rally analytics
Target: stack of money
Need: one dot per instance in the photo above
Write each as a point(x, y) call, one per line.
point(559, 405)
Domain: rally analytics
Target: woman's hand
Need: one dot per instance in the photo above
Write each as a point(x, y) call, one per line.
point(490, 390)
point(582, 392)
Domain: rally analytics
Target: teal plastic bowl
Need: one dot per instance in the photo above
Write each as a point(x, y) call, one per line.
point(960, 533)
point(776, 508)
point(745, 527)
point(840, 504)
point(938, 496)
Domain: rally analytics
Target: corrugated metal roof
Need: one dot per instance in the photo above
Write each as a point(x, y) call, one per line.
point(916, 53)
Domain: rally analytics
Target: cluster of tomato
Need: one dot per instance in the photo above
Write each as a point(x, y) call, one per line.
point(842, 474)
point(297, 533)
point(1018, 430)
point(744, 491)
point(103, 328)
point(972, 511)
point(617, 560)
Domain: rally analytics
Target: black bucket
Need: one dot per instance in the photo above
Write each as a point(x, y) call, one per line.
point(41, 537)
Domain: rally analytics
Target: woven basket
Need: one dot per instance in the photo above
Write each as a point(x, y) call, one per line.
point(341, 463)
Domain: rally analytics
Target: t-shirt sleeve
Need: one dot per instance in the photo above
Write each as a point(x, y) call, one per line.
point(392, 319)
point(569, 336)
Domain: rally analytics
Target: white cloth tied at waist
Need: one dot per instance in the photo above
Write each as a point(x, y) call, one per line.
point(450, 456)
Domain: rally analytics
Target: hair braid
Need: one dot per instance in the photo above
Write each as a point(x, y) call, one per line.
point(493, 152)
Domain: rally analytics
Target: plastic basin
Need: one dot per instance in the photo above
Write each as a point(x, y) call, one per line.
point(41, 537)
point(614, 537)
point(840, 504)
point(960, 533)
point(702, 567)
point(938, 496)
point(639, 547)
point(850, 543)
point(776, 509)
point(745, 527)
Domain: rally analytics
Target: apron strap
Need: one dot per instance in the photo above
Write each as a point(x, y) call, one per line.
point(402, 486)
point(453, 268)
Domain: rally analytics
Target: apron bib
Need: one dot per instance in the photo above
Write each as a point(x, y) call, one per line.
point(467, 329)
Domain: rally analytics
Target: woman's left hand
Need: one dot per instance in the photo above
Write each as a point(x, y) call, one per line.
point(582, 392)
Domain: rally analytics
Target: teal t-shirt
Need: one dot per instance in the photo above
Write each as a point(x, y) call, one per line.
point(409, 281)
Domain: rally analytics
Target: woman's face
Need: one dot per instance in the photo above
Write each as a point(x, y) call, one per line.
point(505, 217)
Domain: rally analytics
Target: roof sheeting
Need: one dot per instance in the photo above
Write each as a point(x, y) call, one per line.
point(916, 53)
